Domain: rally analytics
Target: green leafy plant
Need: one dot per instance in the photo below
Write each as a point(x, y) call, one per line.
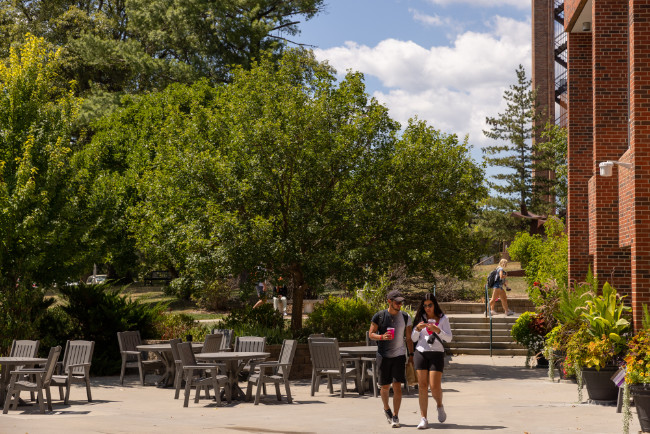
point(605, 317)
point(529, 331)
point(263, 316)
point(215, 295)
point(346, 319)
point(637, 360)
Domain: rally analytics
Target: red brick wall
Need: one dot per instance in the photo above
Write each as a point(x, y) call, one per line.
point(640, 153)
point(610, 139)
point(579, 157)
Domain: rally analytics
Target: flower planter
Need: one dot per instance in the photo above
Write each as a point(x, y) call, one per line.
point(641, 395)
point(600, 387)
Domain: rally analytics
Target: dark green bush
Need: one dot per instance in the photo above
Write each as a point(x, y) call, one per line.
point(179, 326)
point(263, 316)
point(97, 313)
point(21, 309)
point(346, 319)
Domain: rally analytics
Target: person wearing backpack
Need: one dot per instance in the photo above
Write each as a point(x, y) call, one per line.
point(499, 288)
point(391, 327)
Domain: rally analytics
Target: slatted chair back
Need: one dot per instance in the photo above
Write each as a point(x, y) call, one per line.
point(50, 365)
point(212, 343)
point(174, 344)
point(226, 342)
point(250, 344)
point(128, 342)
point(325, 353)
point(186, 354)
point(24, 348)
point(77, 352)
point(287, 352)
point(370, 341)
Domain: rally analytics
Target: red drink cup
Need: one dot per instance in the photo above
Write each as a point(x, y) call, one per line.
point(431, 321)
point(391, 332)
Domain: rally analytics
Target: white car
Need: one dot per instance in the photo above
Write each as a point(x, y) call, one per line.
point(98, 278)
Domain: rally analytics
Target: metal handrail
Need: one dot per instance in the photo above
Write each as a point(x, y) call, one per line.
point(488, 312)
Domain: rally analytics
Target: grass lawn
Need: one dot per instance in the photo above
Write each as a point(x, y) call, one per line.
point(518, 284)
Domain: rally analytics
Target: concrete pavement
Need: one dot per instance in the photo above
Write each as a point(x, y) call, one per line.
point(481, 393)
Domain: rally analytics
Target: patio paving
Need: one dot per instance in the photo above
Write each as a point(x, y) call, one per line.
point(485, 394)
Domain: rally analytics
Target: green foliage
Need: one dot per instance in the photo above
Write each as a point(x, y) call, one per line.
point(572, 301)
point(21, 310)
point(183, 288)
point(263, 316)
point(645, 321)
point(606, 317)
point(529, 331)
point(289, 169)
point(545, 260)
point(174, 326)
point(551, 156)
point(97, 313)
point(346, 319)
point(40, 223)
point(215, 295)
point(637, 360)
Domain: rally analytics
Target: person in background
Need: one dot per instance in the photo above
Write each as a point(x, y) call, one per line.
point(430, 330)
point(499, 289)
point(391, 327)
point(261, 288)
point(280, 296)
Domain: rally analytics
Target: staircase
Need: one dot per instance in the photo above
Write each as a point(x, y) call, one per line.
point(471, 329)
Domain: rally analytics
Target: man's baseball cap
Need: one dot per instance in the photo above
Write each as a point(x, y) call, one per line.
point(395, 295)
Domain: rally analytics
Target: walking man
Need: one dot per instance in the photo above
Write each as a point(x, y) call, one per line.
point(391, 327)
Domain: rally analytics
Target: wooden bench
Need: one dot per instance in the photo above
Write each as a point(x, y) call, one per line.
point(158, 276)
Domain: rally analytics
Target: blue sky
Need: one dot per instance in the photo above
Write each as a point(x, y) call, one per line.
point(446, 61)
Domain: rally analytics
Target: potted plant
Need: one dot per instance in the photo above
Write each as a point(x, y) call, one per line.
point(597, 347)
point(529, 331)
point(555, 346)
point(637, 375)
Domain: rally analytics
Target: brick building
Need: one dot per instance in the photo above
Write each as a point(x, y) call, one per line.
point(608, 74)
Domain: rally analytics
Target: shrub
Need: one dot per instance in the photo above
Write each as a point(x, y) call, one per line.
point(529, 331)
point(183, 288)
point(21, 310)
point(346, 319)
point(263, 316)
point(97, 313)
point(216, 294)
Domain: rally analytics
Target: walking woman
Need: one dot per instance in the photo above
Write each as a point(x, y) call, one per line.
point(432, 327)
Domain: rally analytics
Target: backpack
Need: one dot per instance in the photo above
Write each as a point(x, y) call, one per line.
point(492, 278)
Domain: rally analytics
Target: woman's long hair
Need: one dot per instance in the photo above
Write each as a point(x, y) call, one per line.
point(420, 314)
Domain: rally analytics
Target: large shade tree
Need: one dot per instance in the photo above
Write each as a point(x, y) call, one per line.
point(289, 169)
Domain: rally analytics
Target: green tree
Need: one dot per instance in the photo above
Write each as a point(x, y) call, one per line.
point(285, 168)
point(551, 157)
point(38, 216)
point(114, 47)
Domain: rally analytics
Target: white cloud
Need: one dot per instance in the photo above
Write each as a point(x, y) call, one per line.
point(429, 20)
point(518, 4)
point(452, 87)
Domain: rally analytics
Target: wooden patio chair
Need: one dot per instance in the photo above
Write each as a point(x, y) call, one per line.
point(178, 374)
point(75, 368)
point(132, 358)
point(369, 367)
point(24, 348)
point(327, 361)
point(42, 378)
point(201, 376)
point(249, 344)
point(273, 372)
point(212, 343)
point(226, 343)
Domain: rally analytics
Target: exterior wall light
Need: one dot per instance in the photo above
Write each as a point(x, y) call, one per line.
point(606, 167)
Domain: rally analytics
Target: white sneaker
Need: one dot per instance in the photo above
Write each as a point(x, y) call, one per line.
point(510, 312)
point(492, 312)
point(395, 422)
point(442, 416)
point(424, 424)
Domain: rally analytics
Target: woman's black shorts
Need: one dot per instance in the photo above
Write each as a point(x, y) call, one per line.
point(429, 361)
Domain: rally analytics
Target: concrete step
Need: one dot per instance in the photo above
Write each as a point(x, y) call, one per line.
point(486, 344)
point(486, 352)
point(517, 304)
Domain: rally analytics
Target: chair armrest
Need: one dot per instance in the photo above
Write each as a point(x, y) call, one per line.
point(59, 367)
point(132, 353)
point(27, 371)
point(77, 365)
point(349, 359)
point(192, 367)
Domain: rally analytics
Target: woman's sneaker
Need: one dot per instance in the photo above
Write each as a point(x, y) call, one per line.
point(395, 422)
point(442, 416)
point(424, 424)
point(389, 415)
point(510, 312)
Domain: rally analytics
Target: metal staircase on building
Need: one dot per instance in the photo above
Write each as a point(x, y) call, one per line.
point(471, 329)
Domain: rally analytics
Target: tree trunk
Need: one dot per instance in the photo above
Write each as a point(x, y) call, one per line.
point(298, 296)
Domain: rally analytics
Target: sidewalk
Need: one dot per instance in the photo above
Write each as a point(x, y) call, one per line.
point(480, 394)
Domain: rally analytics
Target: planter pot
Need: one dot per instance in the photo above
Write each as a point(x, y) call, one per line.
point(641, 395)
point(599, 385)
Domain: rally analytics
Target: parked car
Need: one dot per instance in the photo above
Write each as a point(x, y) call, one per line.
point(97, 278)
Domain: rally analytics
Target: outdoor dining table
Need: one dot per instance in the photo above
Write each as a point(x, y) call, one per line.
point(8, 364)
point(362, 351)
point(234, 363)
point(164, 351)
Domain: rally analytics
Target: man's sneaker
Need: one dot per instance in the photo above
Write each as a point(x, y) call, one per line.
point(395, 422)
point(442, 416)
point(424, 424)
point(389, 415)
point(510, 312)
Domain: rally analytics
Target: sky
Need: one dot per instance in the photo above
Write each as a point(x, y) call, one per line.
point(445, 61)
